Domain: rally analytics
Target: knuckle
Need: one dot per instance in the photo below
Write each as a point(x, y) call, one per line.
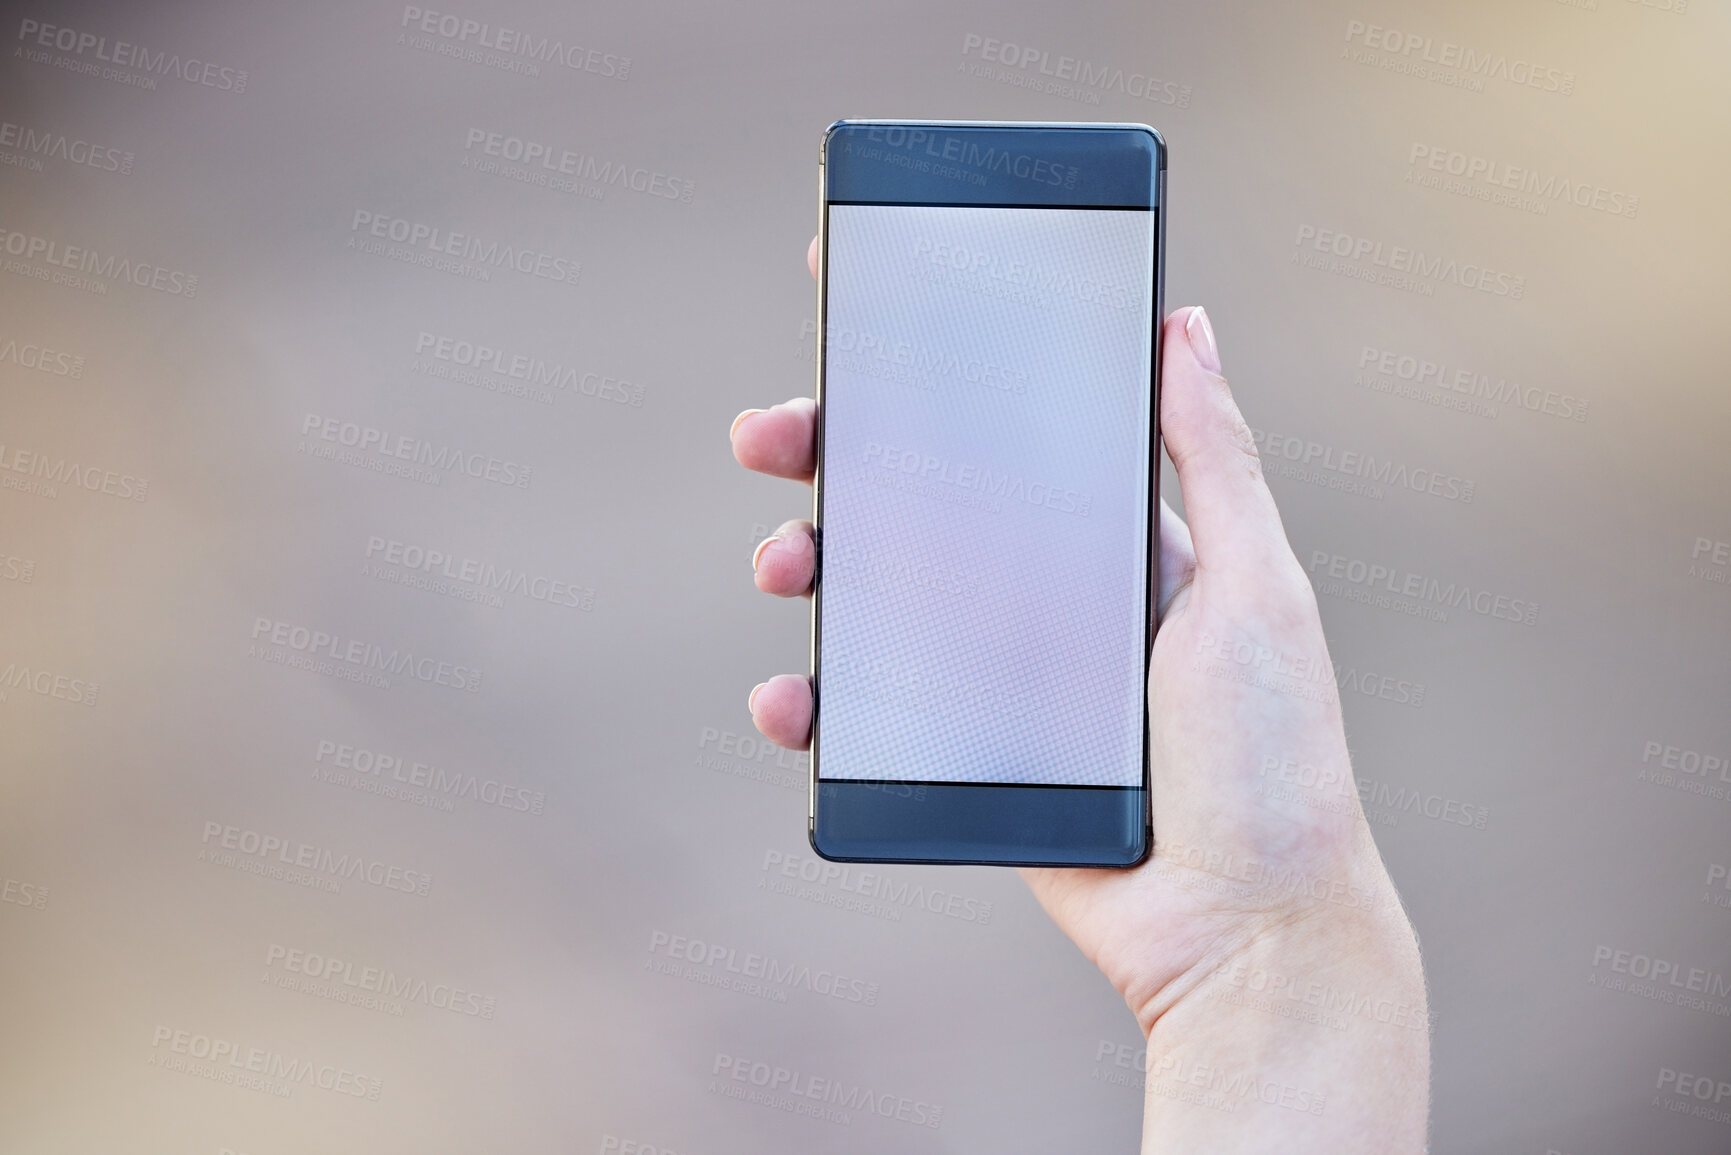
point(1245, 442)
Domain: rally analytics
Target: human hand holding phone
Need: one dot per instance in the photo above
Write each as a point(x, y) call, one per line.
point(1262, 947)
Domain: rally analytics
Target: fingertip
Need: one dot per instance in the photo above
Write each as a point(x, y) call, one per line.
point(757, 554)
point(784, 562)
point(733, 429)
point(1190, 342)
point(811, 258)
point(1195, 397)
point(1200, 333)
point(733, 438)
point(781, 710)
point(780, 441)
point(1231, 515)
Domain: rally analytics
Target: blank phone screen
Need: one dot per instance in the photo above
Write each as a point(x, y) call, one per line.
point(984, 601)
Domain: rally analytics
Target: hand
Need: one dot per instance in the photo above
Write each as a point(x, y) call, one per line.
point(1262, 947)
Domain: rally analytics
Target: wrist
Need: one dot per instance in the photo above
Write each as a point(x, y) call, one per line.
point(1308, 1033)
point(1327, 969)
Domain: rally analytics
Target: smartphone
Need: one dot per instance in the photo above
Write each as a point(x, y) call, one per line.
point(989, 308)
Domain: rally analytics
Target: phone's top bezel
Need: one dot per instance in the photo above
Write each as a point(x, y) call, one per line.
point(1112, 179)
point(1065, 125)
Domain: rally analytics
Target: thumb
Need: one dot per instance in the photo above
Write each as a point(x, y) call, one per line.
point(1233, 521)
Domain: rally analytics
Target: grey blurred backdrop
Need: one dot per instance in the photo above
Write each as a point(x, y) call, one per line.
point(376, 622)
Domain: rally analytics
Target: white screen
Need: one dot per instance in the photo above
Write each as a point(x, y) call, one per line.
point(985, 494)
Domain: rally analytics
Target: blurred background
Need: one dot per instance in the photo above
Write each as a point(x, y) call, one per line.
point(376, 620)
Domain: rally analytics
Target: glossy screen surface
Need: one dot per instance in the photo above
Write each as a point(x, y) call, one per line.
point(985, 494)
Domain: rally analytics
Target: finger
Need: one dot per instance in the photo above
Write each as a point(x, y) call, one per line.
point(811, 258)
point(781, 708)
point(1234, 524)
point(1177, 558)
point(784, 561)
point(780, 440)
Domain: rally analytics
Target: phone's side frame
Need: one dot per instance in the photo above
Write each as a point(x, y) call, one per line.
point(819, 343)
point(1155, 447)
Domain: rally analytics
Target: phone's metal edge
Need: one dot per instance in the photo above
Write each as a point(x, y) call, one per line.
point(1106, 124)
point(821, 352)
point(1154, 446)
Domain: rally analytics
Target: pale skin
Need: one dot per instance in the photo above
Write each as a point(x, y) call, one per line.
point(1262, 947)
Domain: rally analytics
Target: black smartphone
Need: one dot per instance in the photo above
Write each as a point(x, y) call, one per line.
point(989, 308)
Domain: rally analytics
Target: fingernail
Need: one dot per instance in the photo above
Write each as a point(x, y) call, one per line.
point(735, 427)
point(761, 546)
point(1201, 335)
point(751, 702)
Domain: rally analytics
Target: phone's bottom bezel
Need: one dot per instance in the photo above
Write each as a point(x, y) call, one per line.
point(980, 824)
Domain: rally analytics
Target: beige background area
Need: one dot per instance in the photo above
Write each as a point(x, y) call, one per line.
point(376, 623)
